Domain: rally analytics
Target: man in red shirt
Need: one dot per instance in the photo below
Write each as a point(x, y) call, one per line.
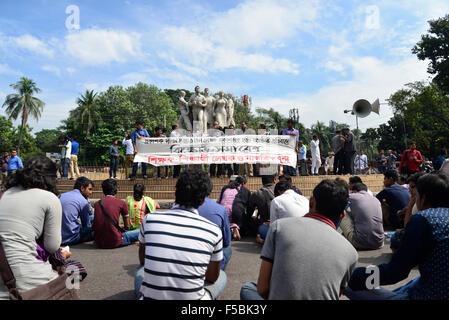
point(412, 159)
point(107, 232)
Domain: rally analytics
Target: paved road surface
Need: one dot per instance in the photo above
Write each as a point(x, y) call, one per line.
point(111, 272)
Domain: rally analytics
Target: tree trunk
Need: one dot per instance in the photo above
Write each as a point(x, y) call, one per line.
point(24, 121)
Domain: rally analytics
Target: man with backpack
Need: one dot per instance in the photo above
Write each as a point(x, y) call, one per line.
point(259, 206)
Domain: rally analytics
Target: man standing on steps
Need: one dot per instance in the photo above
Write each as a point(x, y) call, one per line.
point(139, 133)
point(74, 170)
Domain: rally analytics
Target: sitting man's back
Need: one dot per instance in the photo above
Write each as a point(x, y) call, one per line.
point(305, 258)
point(180, 250)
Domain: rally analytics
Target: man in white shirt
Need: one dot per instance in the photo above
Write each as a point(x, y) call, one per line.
point(302, 156)
point(287, 203)
point(316, 157)
point(66, 150)
point(129, 161)
point(361, 163)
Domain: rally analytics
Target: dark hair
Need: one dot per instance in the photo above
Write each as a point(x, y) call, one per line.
point(192, 188)
point(331, 198)
point(281, 186)
point(338, 131)
point(412, 142)
point(139, 122)
point(286, 177)
point(267, 179)
point(174, 126)
point(82, 182)
point(290, 121)
point(157, 129)
point(402, 179)
point(138, 191)
point(164, 129)
point(435, 187)
point(315, 136)
point(262, 126)
point(128, 136)
point(114, 140)
point(38, 172)
point(392, 173)
point(359, 187)
point(414, 177)
point(355, 179)
point(240, 180)
point(109, 187)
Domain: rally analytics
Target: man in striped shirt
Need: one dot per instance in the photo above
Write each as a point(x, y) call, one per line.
point(180, 251)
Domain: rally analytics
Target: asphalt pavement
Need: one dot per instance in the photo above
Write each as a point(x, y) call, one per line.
point(111, 272)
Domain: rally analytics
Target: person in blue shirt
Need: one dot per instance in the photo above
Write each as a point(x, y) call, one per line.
point(440, 159)
point(74, 171)
point(75, 205)
point(425, 244)
point(139, 133)
point(14, 163)
point(216, 213)
point(393, 199)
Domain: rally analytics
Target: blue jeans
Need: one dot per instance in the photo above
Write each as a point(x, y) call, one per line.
point(113, 167)
point(129, 237)
point(227, 253)
point(249, 292)
point(263, 230)
point(401, 293)
point(215, 289)
point(144, 169)
point(65, 167)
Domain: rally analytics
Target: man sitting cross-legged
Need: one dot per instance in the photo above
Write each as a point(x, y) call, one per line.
point(425, 244)
point(107, 232)
point(362, 224)
point(305, 258)
point(180, 251)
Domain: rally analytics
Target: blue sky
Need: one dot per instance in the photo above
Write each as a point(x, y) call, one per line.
point(318, 56)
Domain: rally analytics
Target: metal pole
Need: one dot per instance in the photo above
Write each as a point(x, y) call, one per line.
point(358, 141)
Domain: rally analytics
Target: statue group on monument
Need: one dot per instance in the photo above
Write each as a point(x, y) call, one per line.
point(205, 109)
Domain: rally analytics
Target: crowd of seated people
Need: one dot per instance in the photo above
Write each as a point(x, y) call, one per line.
point(308, 246)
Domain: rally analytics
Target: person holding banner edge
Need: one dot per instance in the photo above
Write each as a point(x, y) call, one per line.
point(139, 133)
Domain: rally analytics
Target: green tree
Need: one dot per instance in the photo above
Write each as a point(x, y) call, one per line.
point(29, 146)
point(6, 135)
point(324, 135)
point(86, 116)
point(47, 140)
point(23, 104)
point(434, 46)
point(425, 109)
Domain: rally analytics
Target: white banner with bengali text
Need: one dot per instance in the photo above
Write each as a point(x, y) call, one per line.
point(263, 149)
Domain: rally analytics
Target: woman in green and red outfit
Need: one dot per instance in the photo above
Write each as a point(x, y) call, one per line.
point(139, 205)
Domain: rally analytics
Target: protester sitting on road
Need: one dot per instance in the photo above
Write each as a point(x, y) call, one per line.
point(30, 210)
point(240, 215)
point(305, 258)
point(425, 244)
point(407, 212)
point(362, 224)
point(107, 232)
point(75, 207)
point(216, 213)
point(226, 199)
point(180, 251)
point(393, 199)
point(259, 206)
point(354, 180)
point(139, 205)
point(288, 178)
point(287, 203)
point(402, 181)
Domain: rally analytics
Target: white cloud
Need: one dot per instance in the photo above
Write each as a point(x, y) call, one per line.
point(33, 44)
point(6, 69)
point(70, 70)
point(372, 79)
point(239, 38)
point(100, 46)
point(52, 69)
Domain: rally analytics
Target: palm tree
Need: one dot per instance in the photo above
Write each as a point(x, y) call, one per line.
point(87, 114)
point(23, 103)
